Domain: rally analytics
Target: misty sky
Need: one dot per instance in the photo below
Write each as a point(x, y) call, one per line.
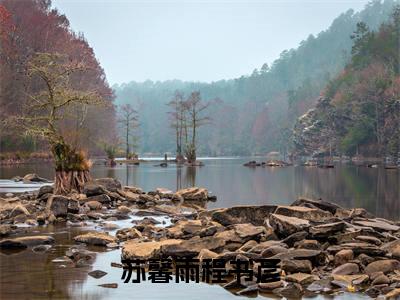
point(195, 40)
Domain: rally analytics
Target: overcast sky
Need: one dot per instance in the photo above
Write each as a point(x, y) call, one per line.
point(195, 40)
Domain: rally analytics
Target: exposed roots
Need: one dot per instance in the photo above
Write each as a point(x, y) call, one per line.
point(69, 181)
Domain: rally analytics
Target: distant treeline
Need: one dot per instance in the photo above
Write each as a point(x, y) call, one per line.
point(255, 113)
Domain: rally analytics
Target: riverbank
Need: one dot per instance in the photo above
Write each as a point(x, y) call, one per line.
point(318, 246)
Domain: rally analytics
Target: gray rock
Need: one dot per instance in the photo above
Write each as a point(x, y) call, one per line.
point(253, 214)
point(284, 225)
point(296, 266)
point(346, 269)
point(97, 274)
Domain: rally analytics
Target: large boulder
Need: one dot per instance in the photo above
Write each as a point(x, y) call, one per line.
point(93, 189)
point(393, 248)
point(326, 206)
point(110, 184)
point(248, 231)
point(95, 238)
point(284, 225)
point(326, 230)
point(193, 193)
point(58, 205)
point(192, 247)
point(45, 189)
point(253, 214)
point(301, 212)
point(145, 250)
point(384, 265)
point(26, 241)
point(28, 178)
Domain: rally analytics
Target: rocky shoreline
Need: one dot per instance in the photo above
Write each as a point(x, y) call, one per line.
point(320, 248)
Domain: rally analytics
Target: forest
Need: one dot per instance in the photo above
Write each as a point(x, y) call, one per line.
point(253, 114)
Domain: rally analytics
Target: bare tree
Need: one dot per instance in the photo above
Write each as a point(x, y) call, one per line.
point(195, 108)
point(178, 122)
point(128, 118)
point(52, 103)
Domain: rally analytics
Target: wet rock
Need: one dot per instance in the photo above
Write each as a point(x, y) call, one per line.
point(94, 205)
point(124, 209)
point(252, 289)
point(296, 266)
point(343, 256)
point(6, 229)
point(109, 285)
point(206, 254)
point(145, 199)
point(41, 248)
point(103, 199)
point(301, 278)
point(385, 266)
point(128, 234)
point(301, 212)
point(28, 178)
point(45, 189)
point(291, 290)
point(110, 226)
point(377, 224)
point(192, 247)
point(18, 210)
point(326, 206)
point(73, 206)
point(346, 269)
point(322, 285)
point(394, 294)
point(269, 286)
point(193, 193)
point(255, 215)
point(26, 241)
point(97, 274)
point(284, 225)
point(145, 250)
point(58, 205)
point(95, 238)
point(381, 279)
point(91, 189)
point(110, 184)
point(295, 237)
point(326, 230)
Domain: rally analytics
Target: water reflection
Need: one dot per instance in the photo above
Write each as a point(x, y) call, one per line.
point(376, 189)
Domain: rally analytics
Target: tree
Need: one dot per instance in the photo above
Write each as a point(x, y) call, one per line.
point(177, 117)
point(51, 104)
point(128, 118)
point(195, 110)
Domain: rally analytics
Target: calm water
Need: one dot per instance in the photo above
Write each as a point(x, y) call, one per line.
point(375, 189)
point(29, 275)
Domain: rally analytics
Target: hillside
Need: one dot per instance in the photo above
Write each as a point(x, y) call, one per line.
point(359, 111)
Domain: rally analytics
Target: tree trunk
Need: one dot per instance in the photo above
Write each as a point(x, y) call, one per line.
point(69, 181)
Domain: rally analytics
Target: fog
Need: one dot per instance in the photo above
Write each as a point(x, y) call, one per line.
point(195, 40)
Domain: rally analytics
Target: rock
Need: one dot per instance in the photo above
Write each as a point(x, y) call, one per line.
point(18, 210)
point(394, 294)
point(110, 184)
point(94, 205)
point(248, 231)
point(291, 290)
point(301, 278)
point(26, 241)
point(352, 279)
point(45, 189)
point(346, 269)
point(301, 212)
point(33, 178)
point(248, 245)
point(308, 244)
point(284, 225)
point(369, 239)
point(41, 248)
point(103, 199)
point(381, 279)
point(295, 237)
point(184, 228)
point(322, 285)
point(145, 199)
point(110, 226)
point(124, 209)
point(145, 250)
point(6, 229)
point(385, 266)
point(393, 248)
point(252, 289)
point(358, 248)
point(269, 286)
point(273, 250)
point(378, 225)
point(92, 189)
point(95, 238)
point(326, 230)
point(128, 234)
point(109, 285)
point(326, 206)
point(259, 248)
point(192, 247)
point(97, 274)
point(255, 215)
point(228, 236)
point(193, 193)
point(316, 256)
point(296, 266)
point(73, 206)
point(58, 205)
point(343, 256)
point(206, 254)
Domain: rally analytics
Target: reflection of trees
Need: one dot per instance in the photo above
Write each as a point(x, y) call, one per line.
point(190, 177)
point(178, 177)
point(377, 190)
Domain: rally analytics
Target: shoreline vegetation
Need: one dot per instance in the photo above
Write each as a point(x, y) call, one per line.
point(318, 247)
